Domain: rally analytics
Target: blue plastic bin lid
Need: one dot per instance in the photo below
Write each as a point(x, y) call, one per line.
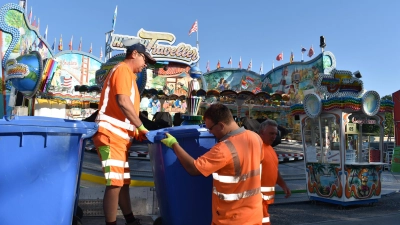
point(185, 131)
point(47, 125)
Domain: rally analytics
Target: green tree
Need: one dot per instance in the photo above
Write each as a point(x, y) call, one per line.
point(389, 124)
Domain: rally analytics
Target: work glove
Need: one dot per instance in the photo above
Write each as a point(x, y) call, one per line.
point(141, 132)
point(169, 140)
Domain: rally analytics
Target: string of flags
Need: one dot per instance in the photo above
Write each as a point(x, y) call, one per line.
point(279, 57)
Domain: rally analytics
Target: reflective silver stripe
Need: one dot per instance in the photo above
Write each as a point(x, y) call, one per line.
point(115, 122)
point(267, 189)
point(265, 220)
point(268, 197)
point(114, 130)
point(235, 157)
point(237, 196)
point(117, 176)
point(235, 179)
point(114, 162)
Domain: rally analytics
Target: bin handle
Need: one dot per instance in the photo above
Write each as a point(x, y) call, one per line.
point(90, 132)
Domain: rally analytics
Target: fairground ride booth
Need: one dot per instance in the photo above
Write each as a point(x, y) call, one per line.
point(162, 84)
point(274, 92)
point(342, 129)
point(58, 85)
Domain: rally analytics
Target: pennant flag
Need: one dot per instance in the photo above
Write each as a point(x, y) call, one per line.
point(291, 57)
point(273, 67)
point(38, 23)
point(53, 47)
point(90, 50)
point(194, 28)
point(30, 16)
point(114, 18)
point(45, 33)
point(230, 61)
point(70, 42)
point(303, 50)
point(279, 57)
point(80, 45)
point(261, 68)
point(240, 62)
point(250, 65)
point(60, 44)
point(311, 52)
point(218, 64)
point(101, 52)
point(34, 22)
point(208, 66)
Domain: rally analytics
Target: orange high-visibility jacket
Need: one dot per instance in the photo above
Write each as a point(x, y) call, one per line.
point(234, 163)
point(269, 176)
point(111, 120)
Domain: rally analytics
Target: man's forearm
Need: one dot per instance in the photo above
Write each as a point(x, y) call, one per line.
point(128, 110)
point(186, 160)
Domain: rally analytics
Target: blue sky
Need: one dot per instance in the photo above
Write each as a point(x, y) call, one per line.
point(363, 35)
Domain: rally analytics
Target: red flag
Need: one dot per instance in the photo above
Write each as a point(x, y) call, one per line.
point(194, 28)
point(218, 65)
point(230, 61)
point(240, 62)
point(70, 43)
point(279, 57)
point(310, 52)
point(250, 65)
point(208, 66)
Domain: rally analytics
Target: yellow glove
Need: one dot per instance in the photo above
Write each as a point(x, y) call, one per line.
point(169, 141)
point(141, 132)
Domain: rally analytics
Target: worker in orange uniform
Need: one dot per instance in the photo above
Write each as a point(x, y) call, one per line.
point(234, 163)
point(119, 122)
point(270, 174)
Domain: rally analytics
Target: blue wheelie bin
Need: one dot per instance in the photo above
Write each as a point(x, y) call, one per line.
point(40, 166)
point(182, 198)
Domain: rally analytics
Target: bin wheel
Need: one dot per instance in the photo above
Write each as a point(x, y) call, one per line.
point(158, 221)
point(79, 212)
point(76, 221)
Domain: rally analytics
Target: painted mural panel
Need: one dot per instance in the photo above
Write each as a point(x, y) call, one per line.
point(73, 69)
point(296, 80)
point(24, 37)
point(233, 79)
point(323, 179)
point(363, 182)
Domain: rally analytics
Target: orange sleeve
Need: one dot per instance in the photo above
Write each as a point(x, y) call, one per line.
point(121, 81)
point(211, 161)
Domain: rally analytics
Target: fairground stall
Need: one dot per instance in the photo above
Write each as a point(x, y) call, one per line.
point(274, 92)
point(37, 81)
point(342, 129)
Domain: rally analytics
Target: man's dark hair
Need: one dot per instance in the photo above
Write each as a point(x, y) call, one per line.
point(218, 113)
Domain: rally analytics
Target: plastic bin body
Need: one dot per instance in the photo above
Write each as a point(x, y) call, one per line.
point(40, 167)
point(182, 198)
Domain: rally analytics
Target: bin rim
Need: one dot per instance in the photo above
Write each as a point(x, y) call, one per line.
point(183, 131)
